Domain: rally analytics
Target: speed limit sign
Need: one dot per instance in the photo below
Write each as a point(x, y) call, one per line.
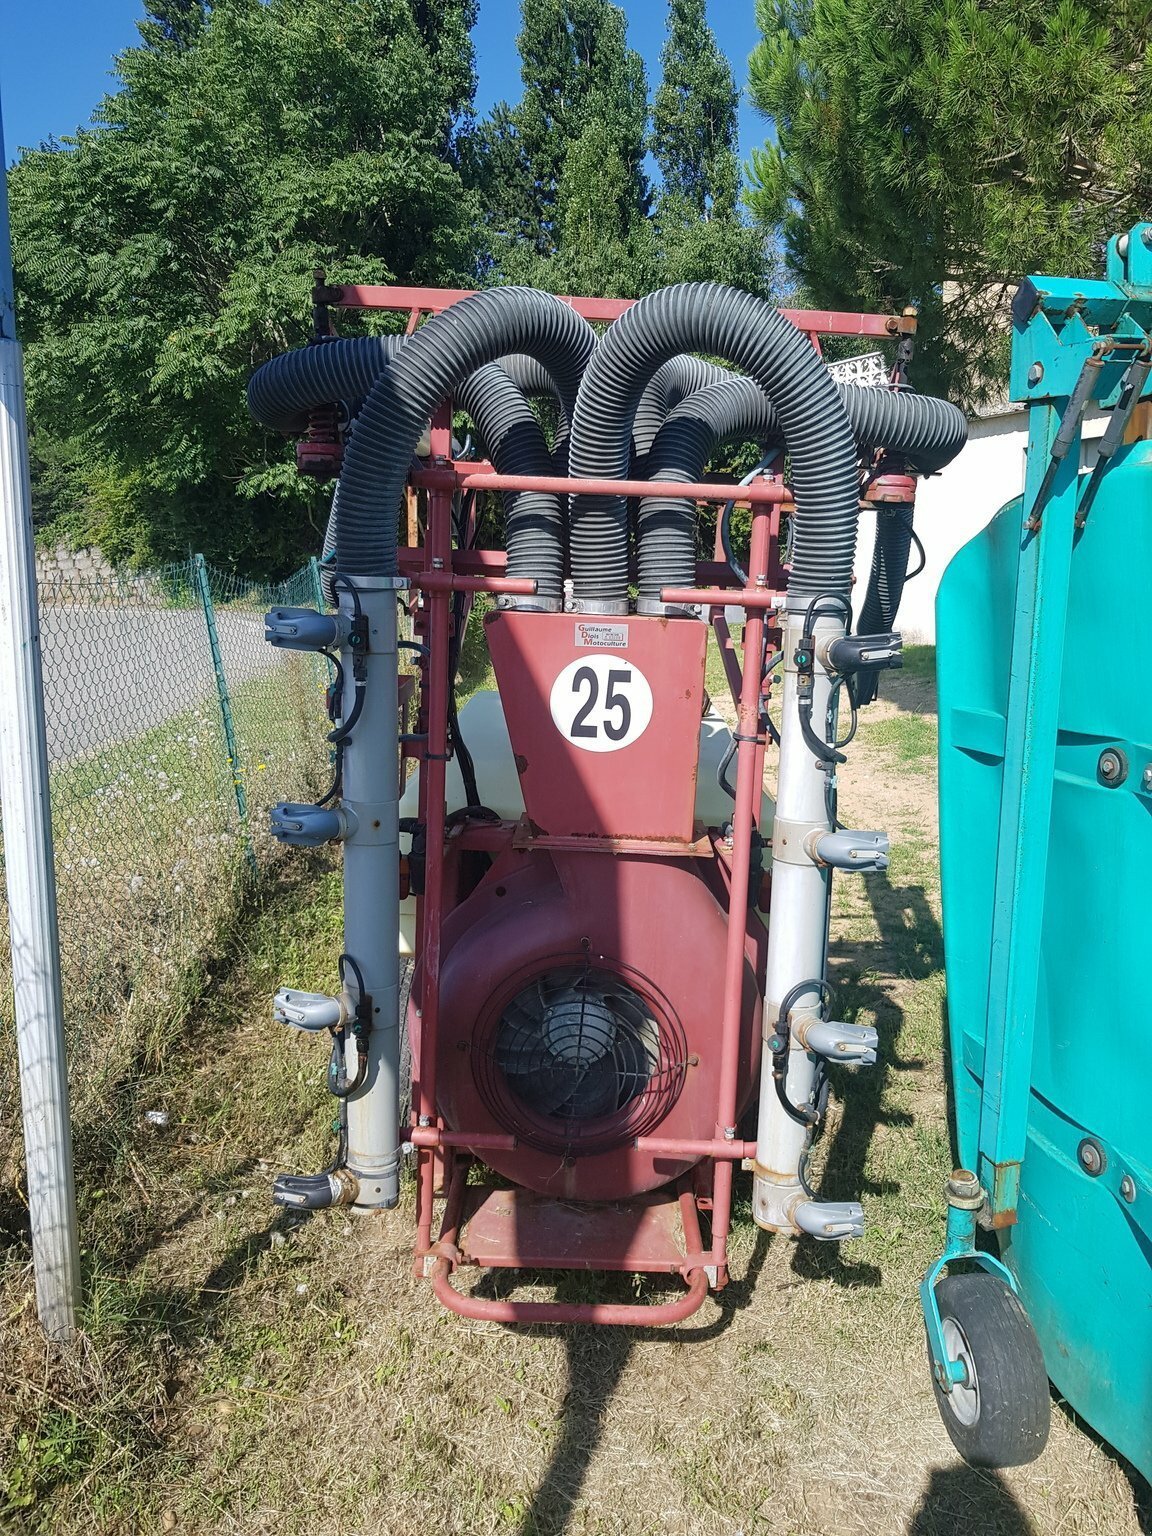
point(601, 703)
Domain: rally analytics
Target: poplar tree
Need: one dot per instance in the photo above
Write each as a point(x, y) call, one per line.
point(694, 140)
point(563, 171)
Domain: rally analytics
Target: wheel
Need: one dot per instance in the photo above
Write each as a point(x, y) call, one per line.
point(1000, 1414)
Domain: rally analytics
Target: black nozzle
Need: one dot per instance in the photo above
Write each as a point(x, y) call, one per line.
point(865, 653)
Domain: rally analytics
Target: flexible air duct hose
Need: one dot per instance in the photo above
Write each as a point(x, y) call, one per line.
point(534, 520)
point(886, 583)
point(672, 382)
point(530, 377)
point(757, 338)
point(281, 393)
point(427, 370)
point(284, 390)
point(926, 432)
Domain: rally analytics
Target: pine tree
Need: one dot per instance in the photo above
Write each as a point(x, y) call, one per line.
point(936, 151)
point(694, 139)
point(163, 254)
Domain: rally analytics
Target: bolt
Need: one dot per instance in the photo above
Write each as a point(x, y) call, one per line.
point(1091, 1156)
point(1127, 1188)
point(1035, 373)
point(1112, 767)
point(1147, 776)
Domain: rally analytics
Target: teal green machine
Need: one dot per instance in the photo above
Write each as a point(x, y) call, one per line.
point(1044, 635)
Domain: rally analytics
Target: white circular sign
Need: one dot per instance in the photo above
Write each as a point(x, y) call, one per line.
point(601, 702)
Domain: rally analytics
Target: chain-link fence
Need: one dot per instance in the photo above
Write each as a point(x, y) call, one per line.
point(172, 727)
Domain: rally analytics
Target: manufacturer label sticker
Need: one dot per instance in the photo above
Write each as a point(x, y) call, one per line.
point(603, 637)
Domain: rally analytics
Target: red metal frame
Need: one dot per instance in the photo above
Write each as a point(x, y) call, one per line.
point(431, 301)
point(436, 570)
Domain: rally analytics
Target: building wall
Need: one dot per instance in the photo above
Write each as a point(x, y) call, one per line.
point(952, 507)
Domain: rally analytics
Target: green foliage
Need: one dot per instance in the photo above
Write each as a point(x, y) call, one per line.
point(166, 252)
point(694, 139)
point(935, 151)
point(563, 172)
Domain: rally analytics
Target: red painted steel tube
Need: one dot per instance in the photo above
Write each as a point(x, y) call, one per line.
point(744, 820)
point(433, 774)
point(465, 562)
point(723, 597)
point(605, 1313)
point(616, 1314)
point(465, 479)
point(822, 322)
point(672, 1146)
point(434, 1136)
point(449, 581)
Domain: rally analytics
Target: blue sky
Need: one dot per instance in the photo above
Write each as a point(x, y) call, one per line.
point(56, 57)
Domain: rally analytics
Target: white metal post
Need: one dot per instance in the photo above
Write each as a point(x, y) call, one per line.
point(28, 865)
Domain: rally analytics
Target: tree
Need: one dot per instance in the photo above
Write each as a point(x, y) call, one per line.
point(563, 170)
point(694, 139)
point(165, 253)
point(936, 151)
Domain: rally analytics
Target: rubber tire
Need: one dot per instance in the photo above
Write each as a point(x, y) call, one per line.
point(1014, 1408)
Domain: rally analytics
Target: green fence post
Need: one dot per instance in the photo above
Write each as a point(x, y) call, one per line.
point(225, 706)
point(317, 587)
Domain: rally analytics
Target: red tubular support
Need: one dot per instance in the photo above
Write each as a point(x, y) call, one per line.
point(434, 1136)
point(430, 301)
point(612, 1314)
point(465, 479)
point(745, 816)
point(433, 775)
point(722, 597)
point(671, 1146)
point(448, 581)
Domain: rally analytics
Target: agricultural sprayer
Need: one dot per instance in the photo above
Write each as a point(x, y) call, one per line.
point(618, 939)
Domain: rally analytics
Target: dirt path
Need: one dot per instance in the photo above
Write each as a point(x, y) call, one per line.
point(311, 1384)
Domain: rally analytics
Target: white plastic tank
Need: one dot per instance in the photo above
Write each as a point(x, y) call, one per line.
point(483, 728)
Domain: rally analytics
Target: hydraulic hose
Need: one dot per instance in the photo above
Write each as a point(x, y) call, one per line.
point(750, 333)
point(927, 433)
point(533, 520)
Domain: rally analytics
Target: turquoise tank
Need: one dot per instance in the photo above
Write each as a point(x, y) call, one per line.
point(1046, 860)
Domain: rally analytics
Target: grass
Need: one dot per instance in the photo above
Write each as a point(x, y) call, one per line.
point(251, 1371)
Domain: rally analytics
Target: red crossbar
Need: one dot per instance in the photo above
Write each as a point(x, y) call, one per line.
point(430, 301)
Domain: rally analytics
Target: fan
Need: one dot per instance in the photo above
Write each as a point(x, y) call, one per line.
point(577, 1045)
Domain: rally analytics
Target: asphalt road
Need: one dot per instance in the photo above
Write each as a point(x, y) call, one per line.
point(113, 672)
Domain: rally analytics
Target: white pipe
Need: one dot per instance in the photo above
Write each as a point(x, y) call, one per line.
point(372, 895)
point(797, 935)
point(28, 862)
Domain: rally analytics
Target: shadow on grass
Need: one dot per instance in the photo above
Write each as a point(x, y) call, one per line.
point(596, 1361)
point(908, 944)
point(968, 1501)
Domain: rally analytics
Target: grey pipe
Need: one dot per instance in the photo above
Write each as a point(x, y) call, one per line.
point(927, 433)
point(757, 338)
